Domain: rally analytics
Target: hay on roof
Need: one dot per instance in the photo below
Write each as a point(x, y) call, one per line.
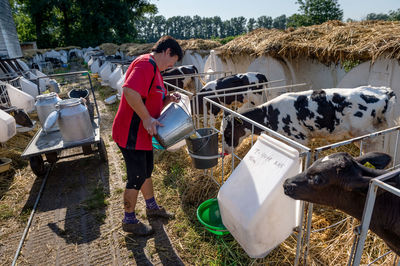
point(330, 42)
point(135, 49)
point(67, 48)
point(198, 44)
point(109, 48)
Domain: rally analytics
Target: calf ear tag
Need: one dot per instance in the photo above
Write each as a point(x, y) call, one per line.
point(239, 120)
point(369, 165)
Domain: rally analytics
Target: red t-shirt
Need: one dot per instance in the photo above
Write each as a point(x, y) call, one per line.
point(128, 131)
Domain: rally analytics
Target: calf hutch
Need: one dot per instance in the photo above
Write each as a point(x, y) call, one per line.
point(360, 110)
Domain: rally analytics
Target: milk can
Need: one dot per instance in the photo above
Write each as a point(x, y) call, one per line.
point(73, 119)
point(45, 104)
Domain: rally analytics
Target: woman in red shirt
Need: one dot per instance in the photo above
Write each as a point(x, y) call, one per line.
point(143, 98)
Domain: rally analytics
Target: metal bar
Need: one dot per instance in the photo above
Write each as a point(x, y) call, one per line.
point(380, 257)
point(395, 148)
point(300, 234)
point(341, 143)
point(179, 89)
point(246, 86)
point(332, 225)
point(368, 209)
point(72, 155)
point(65, 74)
point(308, 232)
point(263, 128)
point(302, 217)
point(94, 97)
point(194, 75)
point(365, 221)
point(21, 242)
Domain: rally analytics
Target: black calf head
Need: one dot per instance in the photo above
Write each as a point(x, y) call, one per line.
point(335, 173)
point(238, 133)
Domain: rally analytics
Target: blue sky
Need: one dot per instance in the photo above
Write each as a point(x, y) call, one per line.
point(226, 9)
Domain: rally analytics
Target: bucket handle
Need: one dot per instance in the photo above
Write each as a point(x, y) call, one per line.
point(188, 112)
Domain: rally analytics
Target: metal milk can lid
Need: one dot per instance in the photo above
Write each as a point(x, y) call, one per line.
point(46, 96)
point(69, 103)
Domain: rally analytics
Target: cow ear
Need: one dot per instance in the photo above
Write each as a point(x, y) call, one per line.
point(357, 183)
point(378, 159)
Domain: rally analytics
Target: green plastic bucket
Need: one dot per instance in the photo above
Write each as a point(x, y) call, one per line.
point(208, 214)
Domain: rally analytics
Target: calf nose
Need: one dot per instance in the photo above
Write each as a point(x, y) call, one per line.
point(288, 188)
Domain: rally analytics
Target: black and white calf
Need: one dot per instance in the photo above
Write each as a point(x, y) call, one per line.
point(332, 114)
point(341, 181)
point(214, 88)
point(187, 83)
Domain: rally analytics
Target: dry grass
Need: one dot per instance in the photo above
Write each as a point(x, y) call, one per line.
point(184, 188)
point(330, 42)
point(135, 49)
point(198, 44)
point(109, 48)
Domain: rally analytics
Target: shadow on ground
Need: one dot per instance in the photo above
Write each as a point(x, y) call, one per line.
point(167, 255)
point(73, 204)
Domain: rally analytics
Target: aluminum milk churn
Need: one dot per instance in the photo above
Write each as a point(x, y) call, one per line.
point(45, 104)
point(73, 120)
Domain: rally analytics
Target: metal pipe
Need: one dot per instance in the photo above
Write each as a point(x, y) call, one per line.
point(21, 242)
point(246, 86)
point(365, 221)
point(345, 142)
point(263, 128)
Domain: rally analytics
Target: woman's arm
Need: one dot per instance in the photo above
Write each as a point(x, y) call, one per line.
point(134, 99)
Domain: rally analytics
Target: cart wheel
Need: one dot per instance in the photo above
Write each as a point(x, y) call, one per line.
point(51, 157)
point(37, 165)
point(102, 151)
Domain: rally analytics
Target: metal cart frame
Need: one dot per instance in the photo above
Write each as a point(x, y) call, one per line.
point(51, 144)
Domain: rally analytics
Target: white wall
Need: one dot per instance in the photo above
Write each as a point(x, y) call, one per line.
point(383, 72)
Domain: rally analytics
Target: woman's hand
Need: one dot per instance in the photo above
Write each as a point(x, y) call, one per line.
point(174, 97)
point(150, 125)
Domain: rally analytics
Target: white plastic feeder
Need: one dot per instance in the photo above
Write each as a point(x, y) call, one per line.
point(115, 77)
point(29, 87)
point(20, 99)
point(253, 205)
point(8, 127)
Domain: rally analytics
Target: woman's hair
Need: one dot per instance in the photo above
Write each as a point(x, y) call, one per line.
point(166, 42)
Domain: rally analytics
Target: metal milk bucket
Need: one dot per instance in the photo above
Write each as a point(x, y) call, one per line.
point(45, 104)
point(73, 120)
point(178, 125)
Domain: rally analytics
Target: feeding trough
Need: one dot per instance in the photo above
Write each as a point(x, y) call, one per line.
point(209, 215)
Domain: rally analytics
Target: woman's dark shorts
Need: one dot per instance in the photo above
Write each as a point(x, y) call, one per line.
point(139, 166)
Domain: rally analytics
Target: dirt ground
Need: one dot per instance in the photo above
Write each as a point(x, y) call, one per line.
point(78, 219)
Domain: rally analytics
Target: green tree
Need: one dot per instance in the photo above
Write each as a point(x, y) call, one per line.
point(83, 22)
point(239, 25)
point(380, 16)
point(297, 20)
point(394, 14)
point(264, 22)
point(25, 28)
point(319, 11)
point(251, 24)
point(279, 22)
